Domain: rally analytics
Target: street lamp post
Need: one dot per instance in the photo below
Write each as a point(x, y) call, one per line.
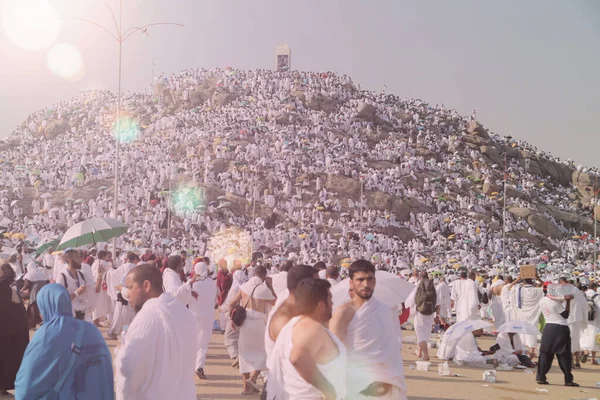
point(120, 36)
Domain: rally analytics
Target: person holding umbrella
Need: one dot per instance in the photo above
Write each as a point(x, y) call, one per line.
point(556, 338)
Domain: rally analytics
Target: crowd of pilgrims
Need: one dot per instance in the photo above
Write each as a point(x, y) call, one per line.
point(282, 168)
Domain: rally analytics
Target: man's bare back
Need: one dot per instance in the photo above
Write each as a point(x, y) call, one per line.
point(280, 318)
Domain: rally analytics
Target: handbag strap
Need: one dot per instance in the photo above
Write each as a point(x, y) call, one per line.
point(251, 294)
point(76, 350)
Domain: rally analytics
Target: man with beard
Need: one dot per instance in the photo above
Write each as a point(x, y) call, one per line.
point(308, 359)
point(166, 326)
point(74, 281)
point(371, 333)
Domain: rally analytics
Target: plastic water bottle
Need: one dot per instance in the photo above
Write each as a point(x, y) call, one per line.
point(122, 337)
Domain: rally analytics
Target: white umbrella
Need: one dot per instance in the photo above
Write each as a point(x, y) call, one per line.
point(91, 231)
point(519, 327)
point(457, 331)
point(389, 289)
point(46, 196)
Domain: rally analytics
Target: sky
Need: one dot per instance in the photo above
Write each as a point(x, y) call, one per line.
point(530, 68)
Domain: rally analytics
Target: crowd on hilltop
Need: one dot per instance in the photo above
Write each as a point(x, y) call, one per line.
point(281, 167)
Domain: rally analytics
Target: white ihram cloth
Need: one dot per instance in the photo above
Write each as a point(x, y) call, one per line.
point(285, 383)
point(231, 336)
point(279, 282)
point(578, 318)
point(467, 351)
point(251, 344)
point(497, 306)
point(374, 350)
point(178, 289)
point(269, 343)
point(91, 295)
point(158, 357)
point(104, 303)
point(123, 314)
point(443, 294)
point(203, 310)
point(466, 299)
point(505, 355)
point(525, 303)
point(588, 336)
point(505, 297)
point(423, 323)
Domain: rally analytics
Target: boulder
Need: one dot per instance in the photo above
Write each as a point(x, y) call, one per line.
point(489, 188)
point(521, 212)
point(223, 98)
point(426, 153)
point(513, 192)
point(56, 127)
point(343, 184)
point(323, 103)
point(366, 112)
point(492, 154)
point(564, 216)
point(559, 172)
point(300, 95)
point(475, 128)
point(543, 226)
point(584, 185)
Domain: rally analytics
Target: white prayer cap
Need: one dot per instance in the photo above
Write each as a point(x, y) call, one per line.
point(201, 269)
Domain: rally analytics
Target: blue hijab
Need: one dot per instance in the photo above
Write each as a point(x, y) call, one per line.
point(49, 355)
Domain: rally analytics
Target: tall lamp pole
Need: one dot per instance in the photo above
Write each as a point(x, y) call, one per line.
point(120, 36)
point(504, 218)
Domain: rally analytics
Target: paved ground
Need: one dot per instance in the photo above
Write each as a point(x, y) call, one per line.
point(224, 382)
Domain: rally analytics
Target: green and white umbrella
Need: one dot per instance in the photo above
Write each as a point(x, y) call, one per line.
point(91, 231)
point(44, 247)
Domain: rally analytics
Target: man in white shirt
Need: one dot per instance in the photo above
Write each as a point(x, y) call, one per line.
point(74, 281)
point(164, 325)
point(465, 297)
point(123, 313)
point(333, 275)
point(556, 339)
point(279, 280)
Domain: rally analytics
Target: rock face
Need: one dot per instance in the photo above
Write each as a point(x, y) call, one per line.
point(343, 184)
point(55, 128)
point(223, 98)
point(366, 112)
point(544, 227)
point(322, 103)
point(476, 128)
point(520, 212)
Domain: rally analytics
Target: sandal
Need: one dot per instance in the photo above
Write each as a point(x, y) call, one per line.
point(253, 386)
point(584, 358)
point(577, 366)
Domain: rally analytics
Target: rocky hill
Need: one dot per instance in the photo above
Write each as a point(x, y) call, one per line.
point(225, 127)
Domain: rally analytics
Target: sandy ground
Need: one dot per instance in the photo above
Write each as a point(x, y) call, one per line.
point(224, 382)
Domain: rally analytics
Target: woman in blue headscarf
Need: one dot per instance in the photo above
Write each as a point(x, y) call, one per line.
point(66, 358)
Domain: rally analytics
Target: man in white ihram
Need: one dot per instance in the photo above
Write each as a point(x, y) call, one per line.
point(159, 350)
point(465, 297)
point(371, 333)
point(308, 360)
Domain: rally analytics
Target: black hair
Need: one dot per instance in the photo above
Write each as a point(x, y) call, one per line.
point(297, 274)
point(287, 265)
point(320, 266)
point(309, 293)
point(360, 266)
point(147, 272)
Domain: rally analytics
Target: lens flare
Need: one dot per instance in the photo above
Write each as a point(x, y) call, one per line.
point(126, 130)
point(188, 197)
point(65, 61)
point(30, 24)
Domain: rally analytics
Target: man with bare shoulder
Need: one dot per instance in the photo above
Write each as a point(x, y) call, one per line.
point(308, 360)
point(371, 333)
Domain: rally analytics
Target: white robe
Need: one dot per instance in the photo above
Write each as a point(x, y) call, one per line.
point(158, 357)
point(588, 336)
point(505, 354)
point(104, 305)
point(505, 297)
point(203, 309)
point(467, 351)
point(497, 306)
point(422, 323)
point(525, 303)
point(178, 289)
point(443, 294)
point(578, 319)
point(374, 349)
point(466, 299)
point(279, 282)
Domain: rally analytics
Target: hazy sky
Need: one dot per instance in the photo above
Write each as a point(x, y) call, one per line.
point(530, 67)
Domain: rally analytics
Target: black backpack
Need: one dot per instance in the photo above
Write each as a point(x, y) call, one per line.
point(65, 278)
point(592, 309)
point(426, 297)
